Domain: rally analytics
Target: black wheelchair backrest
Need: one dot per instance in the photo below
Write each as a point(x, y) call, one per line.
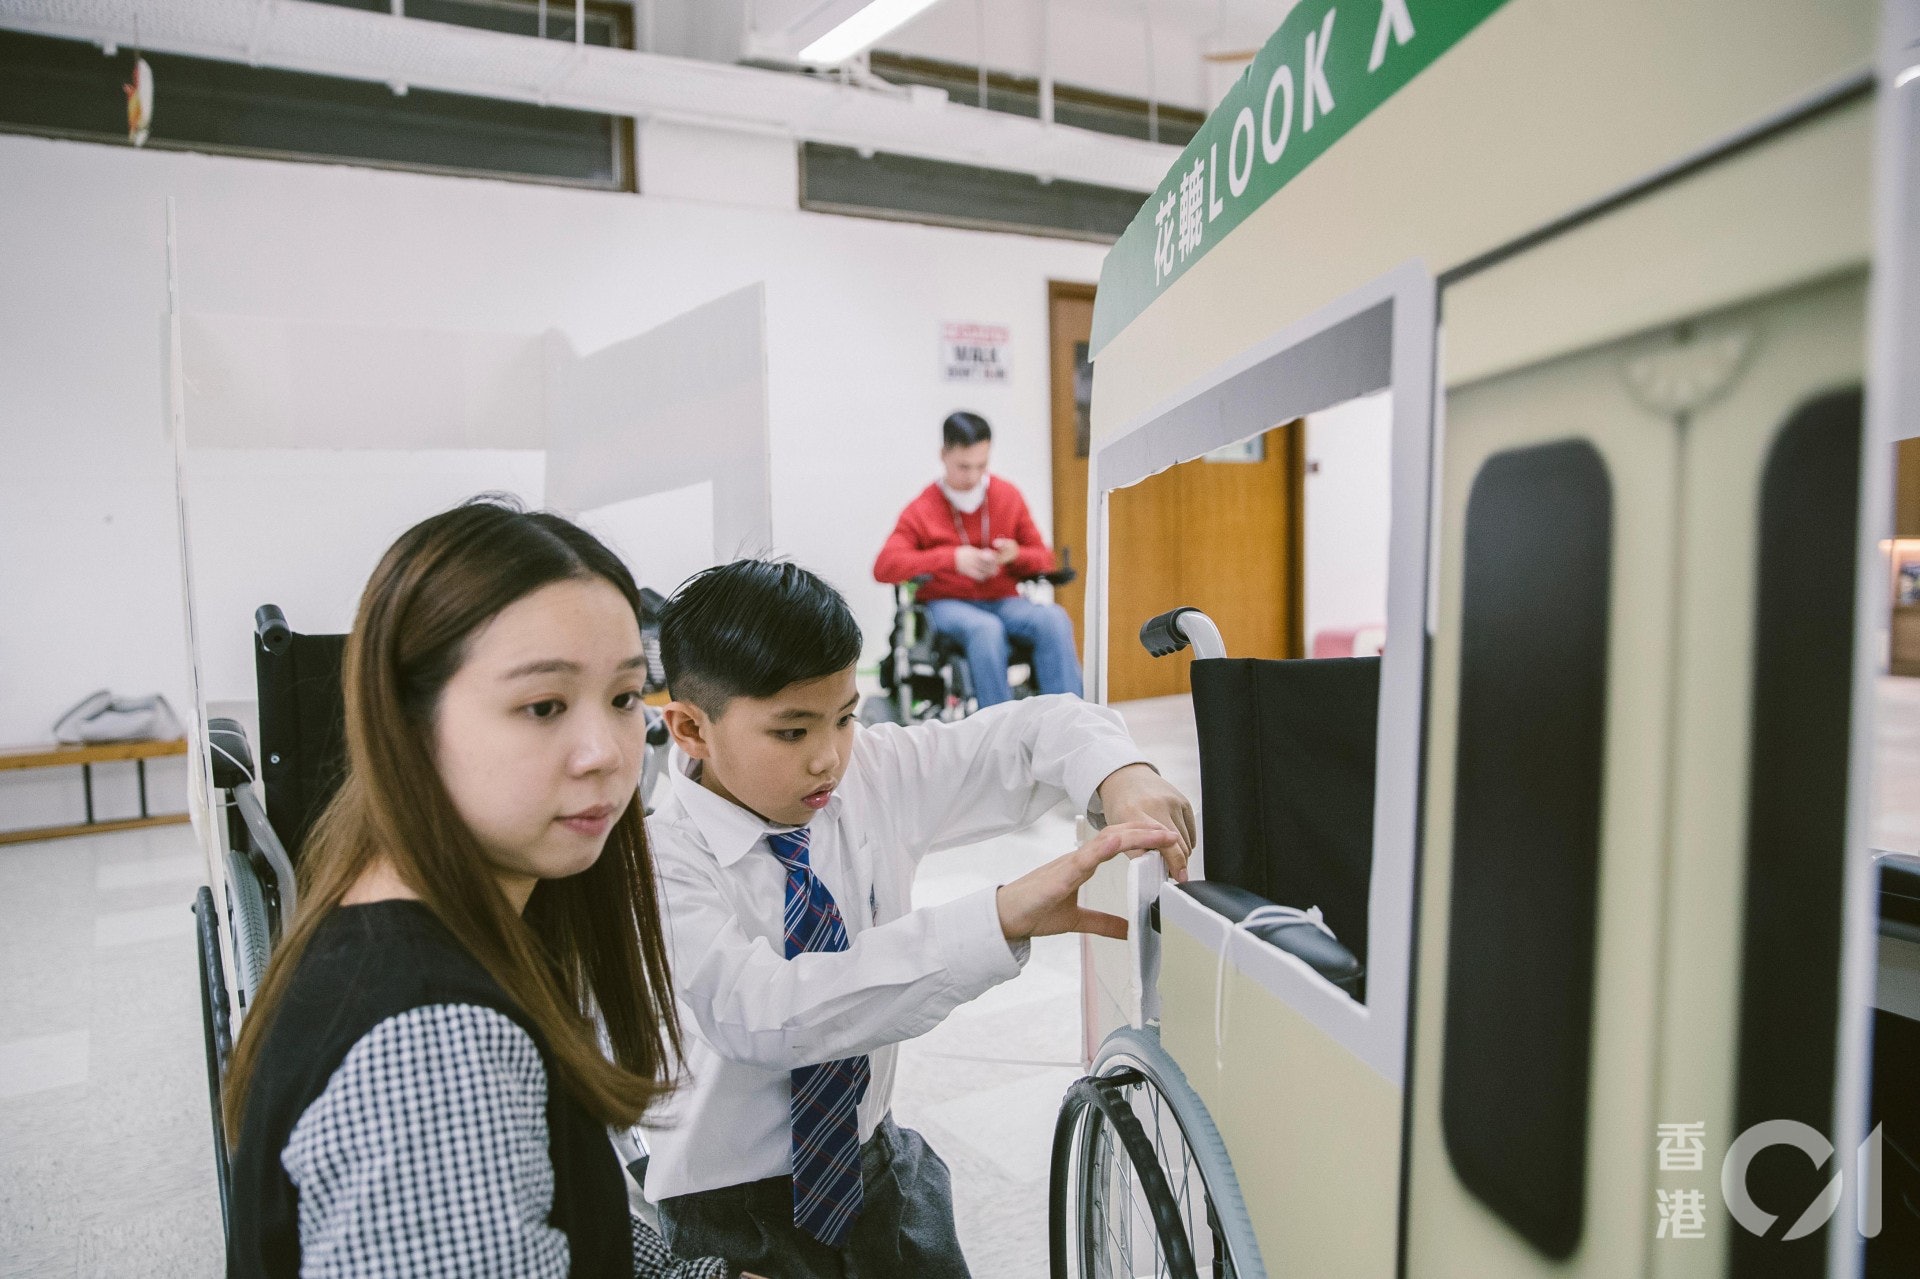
point(1286, 775)
point(303, 749)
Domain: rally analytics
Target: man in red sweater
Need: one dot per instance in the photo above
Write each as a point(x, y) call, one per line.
point(975, 535)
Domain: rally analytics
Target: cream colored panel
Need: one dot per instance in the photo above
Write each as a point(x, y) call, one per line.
point(1452, 1232)
point(1794, 347)
point(1313, 1132)
point(1792, 210)
point(1547, 105)
point(1107, 962)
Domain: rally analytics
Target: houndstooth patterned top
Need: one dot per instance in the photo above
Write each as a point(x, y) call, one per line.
point(427, 1155)
point(401, 1120)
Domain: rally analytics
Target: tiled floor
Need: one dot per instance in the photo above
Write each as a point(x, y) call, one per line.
point(106, 1153)
point(105, 1149)
point(985, 1085)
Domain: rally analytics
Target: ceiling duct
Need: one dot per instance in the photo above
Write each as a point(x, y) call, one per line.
point(325, 39)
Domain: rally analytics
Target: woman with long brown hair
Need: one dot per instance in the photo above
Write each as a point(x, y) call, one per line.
point(475, 987)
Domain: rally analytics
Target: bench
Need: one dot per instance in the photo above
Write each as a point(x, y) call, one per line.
point(86, 756)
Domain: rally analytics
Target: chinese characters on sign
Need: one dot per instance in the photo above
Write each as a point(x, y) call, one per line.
point(1330, 64)
point(975, 352)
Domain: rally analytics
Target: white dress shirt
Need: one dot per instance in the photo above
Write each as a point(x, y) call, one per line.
point(749, 1015)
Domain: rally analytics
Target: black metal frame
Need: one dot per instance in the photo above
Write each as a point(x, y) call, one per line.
point(1102, 1095)
point(916, 650)
point(216, 1022)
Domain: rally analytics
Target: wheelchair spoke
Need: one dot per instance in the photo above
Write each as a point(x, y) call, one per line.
point(1124, 1207)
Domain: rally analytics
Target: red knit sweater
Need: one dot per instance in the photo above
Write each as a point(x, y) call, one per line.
point(930, 528)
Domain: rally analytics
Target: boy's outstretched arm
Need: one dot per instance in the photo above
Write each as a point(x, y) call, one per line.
point(946, 785)
point(896, 981)
point(1047, 901)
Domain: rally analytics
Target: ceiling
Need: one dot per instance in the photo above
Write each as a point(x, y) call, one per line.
point(686, 65)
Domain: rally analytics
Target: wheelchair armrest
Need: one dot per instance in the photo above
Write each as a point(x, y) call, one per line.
point(232, 757)
point(1298, 938)
point(266, 842)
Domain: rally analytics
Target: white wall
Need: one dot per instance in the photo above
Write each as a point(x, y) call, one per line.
point(89, 581)
point(1348, 515)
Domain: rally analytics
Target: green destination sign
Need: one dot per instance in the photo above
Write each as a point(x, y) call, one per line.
point(1327, 67)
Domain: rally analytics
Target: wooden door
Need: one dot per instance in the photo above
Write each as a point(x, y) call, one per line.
point(1221, 535)
point(1070, 326)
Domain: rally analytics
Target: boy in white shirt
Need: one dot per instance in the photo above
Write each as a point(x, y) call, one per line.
point(786, 856)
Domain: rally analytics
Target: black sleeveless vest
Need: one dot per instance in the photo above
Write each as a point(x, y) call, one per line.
point(364, 965)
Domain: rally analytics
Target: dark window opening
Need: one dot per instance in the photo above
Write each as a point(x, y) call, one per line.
point(909, 189)
point(607, 25)
point(69, 89)
point(1020, 95)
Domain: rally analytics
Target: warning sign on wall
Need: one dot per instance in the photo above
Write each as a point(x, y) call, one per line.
point(975, 352)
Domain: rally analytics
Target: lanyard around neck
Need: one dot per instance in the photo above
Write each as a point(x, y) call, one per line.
point(960, 529)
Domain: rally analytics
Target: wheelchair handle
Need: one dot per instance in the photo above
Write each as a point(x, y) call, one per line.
point(270, 626)
point(1175, 629)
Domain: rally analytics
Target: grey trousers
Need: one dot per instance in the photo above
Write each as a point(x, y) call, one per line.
point(905, 1226)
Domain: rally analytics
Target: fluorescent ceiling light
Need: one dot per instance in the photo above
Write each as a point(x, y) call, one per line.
point(863, 28)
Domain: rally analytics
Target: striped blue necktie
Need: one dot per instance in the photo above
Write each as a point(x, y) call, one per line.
point(825, 1109)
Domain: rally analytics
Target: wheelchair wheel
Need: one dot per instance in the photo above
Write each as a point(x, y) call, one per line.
point(247, 915)
point(217, 1025)
point(1141, 1181)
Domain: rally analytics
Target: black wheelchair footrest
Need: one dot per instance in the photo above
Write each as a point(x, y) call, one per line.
point(1324, 954)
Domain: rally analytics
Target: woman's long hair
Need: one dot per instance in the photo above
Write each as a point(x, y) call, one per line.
point(587, 945)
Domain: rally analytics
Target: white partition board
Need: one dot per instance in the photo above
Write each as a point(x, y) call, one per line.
point(680, 405)
point(303, 528)
point(257, 383)
point(665, 538)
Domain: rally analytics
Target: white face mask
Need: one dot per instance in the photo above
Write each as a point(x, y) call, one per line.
point(968, 502)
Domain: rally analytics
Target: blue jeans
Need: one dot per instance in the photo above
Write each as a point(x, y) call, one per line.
point(982, 628)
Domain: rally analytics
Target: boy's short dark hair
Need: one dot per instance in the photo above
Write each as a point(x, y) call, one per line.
point(963, 430)
point(750, 629)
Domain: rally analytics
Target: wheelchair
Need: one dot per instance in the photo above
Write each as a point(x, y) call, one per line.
point(925, 675)
point(1141, 1182)
point(264, 814)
